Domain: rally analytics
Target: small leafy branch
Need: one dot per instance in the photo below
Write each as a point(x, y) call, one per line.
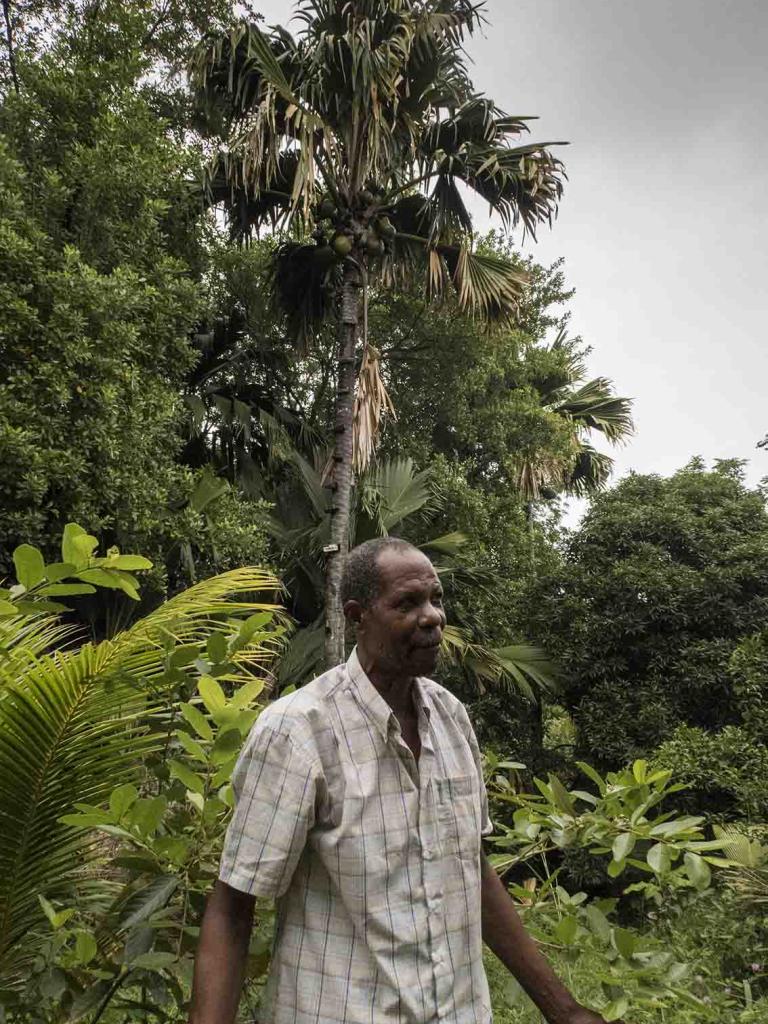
point(166, 842)
point(78, 573)
point(620, 822)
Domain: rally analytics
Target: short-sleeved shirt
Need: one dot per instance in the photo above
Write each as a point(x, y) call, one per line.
point(373, 859)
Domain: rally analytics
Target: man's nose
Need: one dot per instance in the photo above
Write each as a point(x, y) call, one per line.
point(431, 617)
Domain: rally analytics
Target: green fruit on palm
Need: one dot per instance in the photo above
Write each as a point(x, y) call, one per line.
point(374, 245)
point(327, 209)
point(366, 197)
point(385, 227)
point(342, 246)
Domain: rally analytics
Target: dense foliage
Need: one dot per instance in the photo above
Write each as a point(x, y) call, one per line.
point(154, 393)
point(660, 584)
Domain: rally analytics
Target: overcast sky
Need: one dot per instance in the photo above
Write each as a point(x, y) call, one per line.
point(664, 221)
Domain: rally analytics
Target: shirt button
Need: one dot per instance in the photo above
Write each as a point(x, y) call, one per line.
point(428, 854)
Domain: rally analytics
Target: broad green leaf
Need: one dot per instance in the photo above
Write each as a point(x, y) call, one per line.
point(658, 858)
point(58, 571)
point(185, 775)
point(66, 589)
point(217, 648)
point(57, 918)
point(224, 774)
point(252, 625)
point(147, 900)
point(29, 564)
point(77, 546)
point(111, 578)
point(191, 746)
point(196, 799)
point(147, 814)
point(697, 870)
point(640, 771)
point(129, 563)
point(185, 654)
point(48, 908)
point(227, 743)
point(155, 961)
point(247, 693)
point(176, 849)
point(623, 845)
point(139, 941)
point(212, 694)
point(562, 796)
point(624, 941)
point(598, 923)
point(197, 720)
point(8, 608)
point(616, 867)
point(566, 930)
point(594, 775)
point(616, 1009)
point(121, 799)
point(89, 819)
point(37, 607)
point(85, 947)
point(245, 720)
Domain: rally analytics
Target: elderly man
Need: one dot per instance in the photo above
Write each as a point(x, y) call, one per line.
point(360, 810)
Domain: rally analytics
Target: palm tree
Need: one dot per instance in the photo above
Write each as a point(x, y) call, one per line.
point(586, 406)
point(356, 138)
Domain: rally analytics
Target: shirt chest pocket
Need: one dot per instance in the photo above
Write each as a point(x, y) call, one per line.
point(458, 815)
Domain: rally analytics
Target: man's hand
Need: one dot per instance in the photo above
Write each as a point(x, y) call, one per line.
point(504, 933)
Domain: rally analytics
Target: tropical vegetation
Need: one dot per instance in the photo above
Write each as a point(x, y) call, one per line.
point(220, 244)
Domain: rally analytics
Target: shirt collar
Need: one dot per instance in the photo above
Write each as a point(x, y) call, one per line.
point(373, 704)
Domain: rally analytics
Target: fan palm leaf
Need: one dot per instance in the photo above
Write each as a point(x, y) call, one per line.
point(520, 667)
point(76, 723)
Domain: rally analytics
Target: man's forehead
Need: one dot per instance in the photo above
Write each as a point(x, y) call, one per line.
point(402, 569)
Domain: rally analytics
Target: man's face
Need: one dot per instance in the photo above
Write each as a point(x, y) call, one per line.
point(402, 628)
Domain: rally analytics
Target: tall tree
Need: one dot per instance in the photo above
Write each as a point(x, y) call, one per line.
point(660, 582)
point(364, 128)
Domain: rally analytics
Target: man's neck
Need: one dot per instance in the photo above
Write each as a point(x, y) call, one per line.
point(394, 687)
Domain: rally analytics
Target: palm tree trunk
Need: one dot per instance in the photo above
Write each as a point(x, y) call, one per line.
point(9, 44)
point(341, 487)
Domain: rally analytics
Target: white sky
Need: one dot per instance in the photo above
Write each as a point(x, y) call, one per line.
point(664, 221)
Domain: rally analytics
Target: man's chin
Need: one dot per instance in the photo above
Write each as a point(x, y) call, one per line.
point(424, 660)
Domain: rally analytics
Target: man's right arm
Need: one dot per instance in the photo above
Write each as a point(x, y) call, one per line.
point(221, 956)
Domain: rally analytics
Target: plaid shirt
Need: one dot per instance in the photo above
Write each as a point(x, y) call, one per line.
point(373, 859)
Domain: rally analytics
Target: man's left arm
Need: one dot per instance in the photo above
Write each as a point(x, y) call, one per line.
point(504, 933)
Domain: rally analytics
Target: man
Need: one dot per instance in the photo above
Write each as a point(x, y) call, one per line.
point(360, 809)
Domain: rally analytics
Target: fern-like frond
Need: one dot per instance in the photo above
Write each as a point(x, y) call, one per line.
point(74, 724)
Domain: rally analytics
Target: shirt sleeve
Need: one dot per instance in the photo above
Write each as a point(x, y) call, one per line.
point(275, 785)
point(486, 825)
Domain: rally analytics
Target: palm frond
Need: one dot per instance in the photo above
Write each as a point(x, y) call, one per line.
point(520, 667)
point(485, 283)
point(76, 723)
point(372, 404)
point(589, 474)
point(392, 491)
point(595, 406)
point(303, 276)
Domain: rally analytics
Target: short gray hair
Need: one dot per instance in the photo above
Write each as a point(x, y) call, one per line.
point(361, 579)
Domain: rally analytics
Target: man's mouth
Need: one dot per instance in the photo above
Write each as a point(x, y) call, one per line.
point(431, 646)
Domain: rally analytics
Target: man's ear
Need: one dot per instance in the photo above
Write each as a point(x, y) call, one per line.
point(353, 611)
